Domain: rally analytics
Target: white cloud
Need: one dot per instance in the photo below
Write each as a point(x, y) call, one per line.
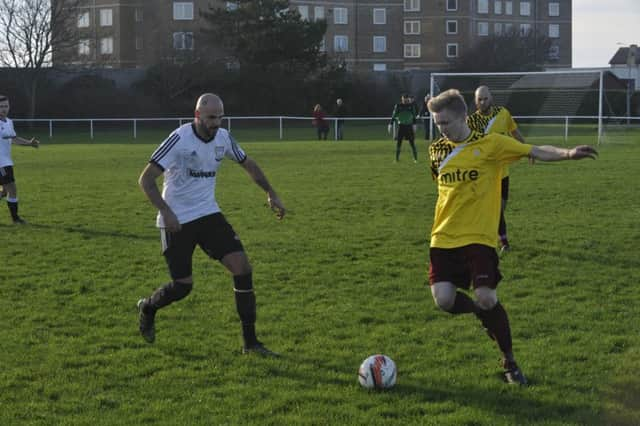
point(599, 25)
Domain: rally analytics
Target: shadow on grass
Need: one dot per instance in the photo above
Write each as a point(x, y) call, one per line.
point(85, 232)
point(512, 401)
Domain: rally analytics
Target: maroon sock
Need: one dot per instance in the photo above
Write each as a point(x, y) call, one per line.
point(496, 322)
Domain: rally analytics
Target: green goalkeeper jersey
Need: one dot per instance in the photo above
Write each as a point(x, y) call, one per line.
point(404, 114)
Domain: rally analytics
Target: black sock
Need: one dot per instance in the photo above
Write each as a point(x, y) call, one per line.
point(246, 306)
point(502, 228)
point(13, 209)
point(398, 145)
point(463, 304)
point(166, 295)
point(496, 322)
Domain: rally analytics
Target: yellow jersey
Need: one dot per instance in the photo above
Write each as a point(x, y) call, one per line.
point(468, 175)
point(498, 120)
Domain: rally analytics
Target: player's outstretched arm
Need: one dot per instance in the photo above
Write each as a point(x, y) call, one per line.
point(147, 182)
point(33, 142)
point(260, 179)
point(553, 153)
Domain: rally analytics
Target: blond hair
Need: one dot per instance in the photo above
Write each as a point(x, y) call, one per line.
point(317, 107)
point(451, 100)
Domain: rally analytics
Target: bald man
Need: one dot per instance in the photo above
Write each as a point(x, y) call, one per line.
point(489, 118)
point(188, 214)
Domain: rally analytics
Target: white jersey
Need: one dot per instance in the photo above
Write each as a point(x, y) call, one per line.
point(7, 133)
point(190, 165)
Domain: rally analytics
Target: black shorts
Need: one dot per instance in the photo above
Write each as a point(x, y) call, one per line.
point(475, 264)
point(505, 188)
point(405, 131)
point(212, 233)
point(6, 175)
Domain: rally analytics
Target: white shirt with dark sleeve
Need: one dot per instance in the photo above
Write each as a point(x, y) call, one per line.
point(190, 166)
point(7, 133)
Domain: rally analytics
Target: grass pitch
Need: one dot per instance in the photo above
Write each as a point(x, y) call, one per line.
point(340, 278)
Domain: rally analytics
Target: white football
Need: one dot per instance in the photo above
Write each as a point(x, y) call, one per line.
point(377, 372)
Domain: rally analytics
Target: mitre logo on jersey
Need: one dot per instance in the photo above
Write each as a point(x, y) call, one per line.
point(219, 153)
point(459, 176)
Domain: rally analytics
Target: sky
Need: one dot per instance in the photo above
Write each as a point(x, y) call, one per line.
point(598, 27)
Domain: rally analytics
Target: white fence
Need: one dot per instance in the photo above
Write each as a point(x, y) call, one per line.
point(299, 128)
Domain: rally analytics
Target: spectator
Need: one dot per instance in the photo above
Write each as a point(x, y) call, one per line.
point(320, 123)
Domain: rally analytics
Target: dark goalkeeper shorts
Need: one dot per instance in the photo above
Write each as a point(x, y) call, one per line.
point(212, 233)
point(405, 131)
point(504, 194)
point(475, 264)
point(6, 175)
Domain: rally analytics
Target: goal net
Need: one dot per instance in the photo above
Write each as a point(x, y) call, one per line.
point(553, 107)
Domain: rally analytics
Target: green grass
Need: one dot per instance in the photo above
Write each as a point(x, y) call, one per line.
point(342, 277)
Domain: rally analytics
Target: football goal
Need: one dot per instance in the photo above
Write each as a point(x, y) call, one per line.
point(552, 106)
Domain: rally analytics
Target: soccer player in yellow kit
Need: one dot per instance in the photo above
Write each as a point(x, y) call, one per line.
point(489, 118)
point(467, 166)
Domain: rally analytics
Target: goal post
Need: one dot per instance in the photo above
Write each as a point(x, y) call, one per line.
point(546, 104)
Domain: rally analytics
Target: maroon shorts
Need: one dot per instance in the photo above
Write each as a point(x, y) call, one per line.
point(475, 264)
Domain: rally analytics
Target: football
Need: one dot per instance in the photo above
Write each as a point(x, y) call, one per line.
point(377, 372)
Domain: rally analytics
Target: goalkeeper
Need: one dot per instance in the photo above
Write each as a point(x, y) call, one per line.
point(405, 114)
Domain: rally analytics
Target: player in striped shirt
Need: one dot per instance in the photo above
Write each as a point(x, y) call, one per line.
point(489, 118)
point(467, 166)
point(188, 214)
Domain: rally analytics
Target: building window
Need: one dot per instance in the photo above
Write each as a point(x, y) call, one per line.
point(452, 27)
point(84, 47)
point(554, 30)
point(483, 28)
point(525, 8)
point(379, 44)
point(138, 14)
point(525, 29)
point(452, 5)
point(138, 43)
point(483, 6)
point(497, 7)
point(452, 50)
point(183, 11)
point(508, 8)
point(322, 47)
point(106, 17)
point(304, 12)
point(183, 41)
point(497, 28)
point(379, 67)
point(231, 6)
point(340, 43)
point(83, 20)
point(554, 52)
point(412, 5)
point(412, 50)
point(318, 13)
point(554, 9)
point(411, 27)
point(340, 15)
point(379, 16)
point(106, 45)
point(508, 28)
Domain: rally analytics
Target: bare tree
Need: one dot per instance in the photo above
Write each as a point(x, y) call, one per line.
point(30, 30)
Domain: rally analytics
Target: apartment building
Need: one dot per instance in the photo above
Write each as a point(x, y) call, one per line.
point(134, 33)
point(381, 35)
point(367, 35)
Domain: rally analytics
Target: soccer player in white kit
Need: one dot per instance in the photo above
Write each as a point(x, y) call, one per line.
point(7, 179)
point(188, 214)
